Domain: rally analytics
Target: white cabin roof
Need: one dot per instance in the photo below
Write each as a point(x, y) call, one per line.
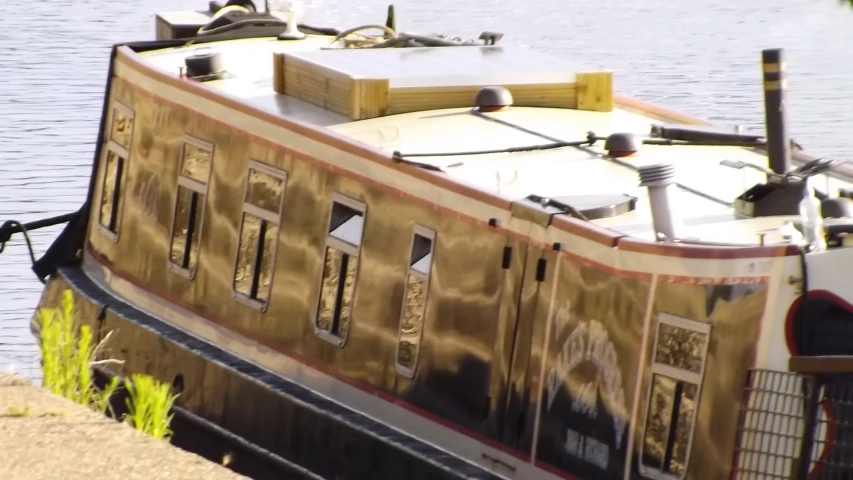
point(547, 173)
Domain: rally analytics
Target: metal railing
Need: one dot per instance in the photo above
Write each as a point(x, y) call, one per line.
point(797, 425)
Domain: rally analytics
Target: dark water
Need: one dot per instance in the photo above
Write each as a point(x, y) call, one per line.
point(700, 57)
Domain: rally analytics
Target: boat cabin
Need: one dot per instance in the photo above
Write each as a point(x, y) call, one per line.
point(478, 244)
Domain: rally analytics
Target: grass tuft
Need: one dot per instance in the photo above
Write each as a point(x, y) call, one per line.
point(149, 403)
point(68, 357)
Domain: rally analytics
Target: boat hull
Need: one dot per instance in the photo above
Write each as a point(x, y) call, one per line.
point(530, 348)
point(294, 424)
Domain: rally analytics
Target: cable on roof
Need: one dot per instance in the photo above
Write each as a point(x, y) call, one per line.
point(590, 140)
point(396, 158)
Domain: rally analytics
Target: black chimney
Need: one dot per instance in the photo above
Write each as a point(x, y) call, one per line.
point(778, 145)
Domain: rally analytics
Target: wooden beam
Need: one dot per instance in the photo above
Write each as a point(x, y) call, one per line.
point(595, 91)
point(828, 364)
point(278, 72)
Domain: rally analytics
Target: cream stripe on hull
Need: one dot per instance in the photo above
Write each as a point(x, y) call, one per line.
point(336, 390)
point(613, 258)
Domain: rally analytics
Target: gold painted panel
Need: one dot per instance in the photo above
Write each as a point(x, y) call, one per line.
point(592, 335)
point(465, 283)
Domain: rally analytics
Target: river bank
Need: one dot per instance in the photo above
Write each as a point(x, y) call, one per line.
point(47, 436)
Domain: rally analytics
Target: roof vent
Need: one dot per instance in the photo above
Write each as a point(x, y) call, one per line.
point(492, 99)
point(622, 144)
point(205, 66)
point(660, 181)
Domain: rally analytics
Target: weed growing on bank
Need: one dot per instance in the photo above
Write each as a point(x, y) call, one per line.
point(149, 403)
point(68, 355)
point(68, 358)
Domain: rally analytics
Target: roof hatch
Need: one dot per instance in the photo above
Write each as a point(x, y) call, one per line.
point(369, 83)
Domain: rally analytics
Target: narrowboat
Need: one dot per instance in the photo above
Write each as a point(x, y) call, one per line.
point(385, 255)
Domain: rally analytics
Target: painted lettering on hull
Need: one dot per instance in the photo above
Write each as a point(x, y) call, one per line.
point(588, 357)
point(589, 343)
point(591, 353)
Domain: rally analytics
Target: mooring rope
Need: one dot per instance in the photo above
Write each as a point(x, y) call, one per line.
point(11, 227)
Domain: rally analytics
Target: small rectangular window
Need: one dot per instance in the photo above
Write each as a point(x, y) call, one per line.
point(340, 269)
point(190, 200)
point(678, 364)
point(411, 329)
point(114, 168)
point(259, 229)
point(111, 193)
point(121, 128)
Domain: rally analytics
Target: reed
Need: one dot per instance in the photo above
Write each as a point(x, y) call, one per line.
point(68, 357)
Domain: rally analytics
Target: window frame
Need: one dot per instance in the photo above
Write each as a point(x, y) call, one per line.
point(123, 153)
point(344, 248)
point(194, 186)
point(265, 215)
point(431, 235)
point(678, 375)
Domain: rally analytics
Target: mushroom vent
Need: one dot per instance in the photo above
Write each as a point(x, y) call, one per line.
point(622, 144)
point(205, 66)
point(491, 99)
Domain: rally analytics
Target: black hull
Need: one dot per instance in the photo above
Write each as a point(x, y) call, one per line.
point(265, 412)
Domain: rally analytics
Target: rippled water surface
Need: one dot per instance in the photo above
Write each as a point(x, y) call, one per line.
point(700, 57)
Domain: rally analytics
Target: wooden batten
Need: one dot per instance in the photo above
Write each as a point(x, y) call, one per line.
point(333, 90)
point(369, 98)
point(595, 91)
point(315, 84)
point(415, 99)
point(278, 73)
point(363, 98)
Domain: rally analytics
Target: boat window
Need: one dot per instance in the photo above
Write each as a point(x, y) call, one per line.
point(121, 129)
point(259, 227)
point(414, 301)
point(678, 364)
point(340, 268)
point(114, 167)
point(196, 157)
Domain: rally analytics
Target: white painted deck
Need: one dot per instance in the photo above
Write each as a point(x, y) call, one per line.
point(548, 173)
